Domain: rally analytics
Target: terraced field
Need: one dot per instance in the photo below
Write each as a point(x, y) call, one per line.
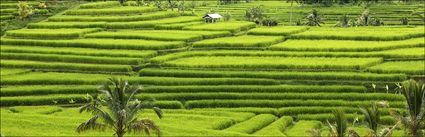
point(281, 10)
point(217, 79)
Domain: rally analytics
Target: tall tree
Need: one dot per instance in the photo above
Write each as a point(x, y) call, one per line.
point(122, 2)
point(414, 122)
point(118, 110)
point(314, 19)
point(340, 127)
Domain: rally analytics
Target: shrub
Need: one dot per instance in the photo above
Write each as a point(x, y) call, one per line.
point(270, 22)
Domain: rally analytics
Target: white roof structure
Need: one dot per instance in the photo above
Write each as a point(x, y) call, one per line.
point(213, 16)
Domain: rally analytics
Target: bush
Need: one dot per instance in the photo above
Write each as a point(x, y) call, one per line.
point(270, 22)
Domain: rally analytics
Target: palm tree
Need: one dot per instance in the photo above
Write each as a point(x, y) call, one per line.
point(414, 122)
point(372, 116)
point(314, 19)
point(122, 2)
point(121, 110)
point(340, 127)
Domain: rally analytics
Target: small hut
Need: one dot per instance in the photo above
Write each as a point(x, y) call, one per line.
point(210, 18)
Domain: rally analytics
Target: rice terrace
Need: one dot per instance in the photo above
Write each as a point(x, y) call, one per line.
point(212, 68)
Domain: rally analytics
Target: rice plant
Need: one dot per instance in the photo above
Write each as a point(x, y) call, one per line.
point(239, 42)
point(274, 63)
point(345, 45)
point(97, 43)
point(408, 67)
point(50, 33)
point(279, 30)
point(233, 27)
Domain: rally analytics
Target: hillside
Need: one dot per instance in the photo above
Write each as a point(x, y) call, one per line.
point(230, 78)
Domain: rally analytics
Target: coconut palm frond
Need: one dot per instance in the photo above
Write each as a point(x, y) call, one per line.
point(120, 111)
point(314, 132)
point(90, 124)
point(340, 122)
point(352, 133)
point(144, 125)
point(158, 112)
point(388, 132)
point(372, 116)
point(332, 130)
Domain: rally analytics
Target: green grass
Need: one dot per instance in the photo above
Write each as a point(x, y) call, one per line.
point(408, 67)
point(345, 45)
point(115, 18)
point(164, 35)
point(275, 96)
point(78, 51)
point(200, 122)
point(177, 26)
point(299, 63)
point(71, 58)
point(272, 75)
point(320, 110)
point(362, 33)
point(49, 33)
point(172, 92)
point(6, 71)
point(97, 43)
point(151, 23)
point(57, 25)
point(252, 125)
point(276, 128)
point(417, 52)
point(239, 42)
point(233, 27)
point(217, 103)
point(59, 66)
point(300, 128)
point(52, 78)
point(96, 5)
point(112, 10)
point(279, 30)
